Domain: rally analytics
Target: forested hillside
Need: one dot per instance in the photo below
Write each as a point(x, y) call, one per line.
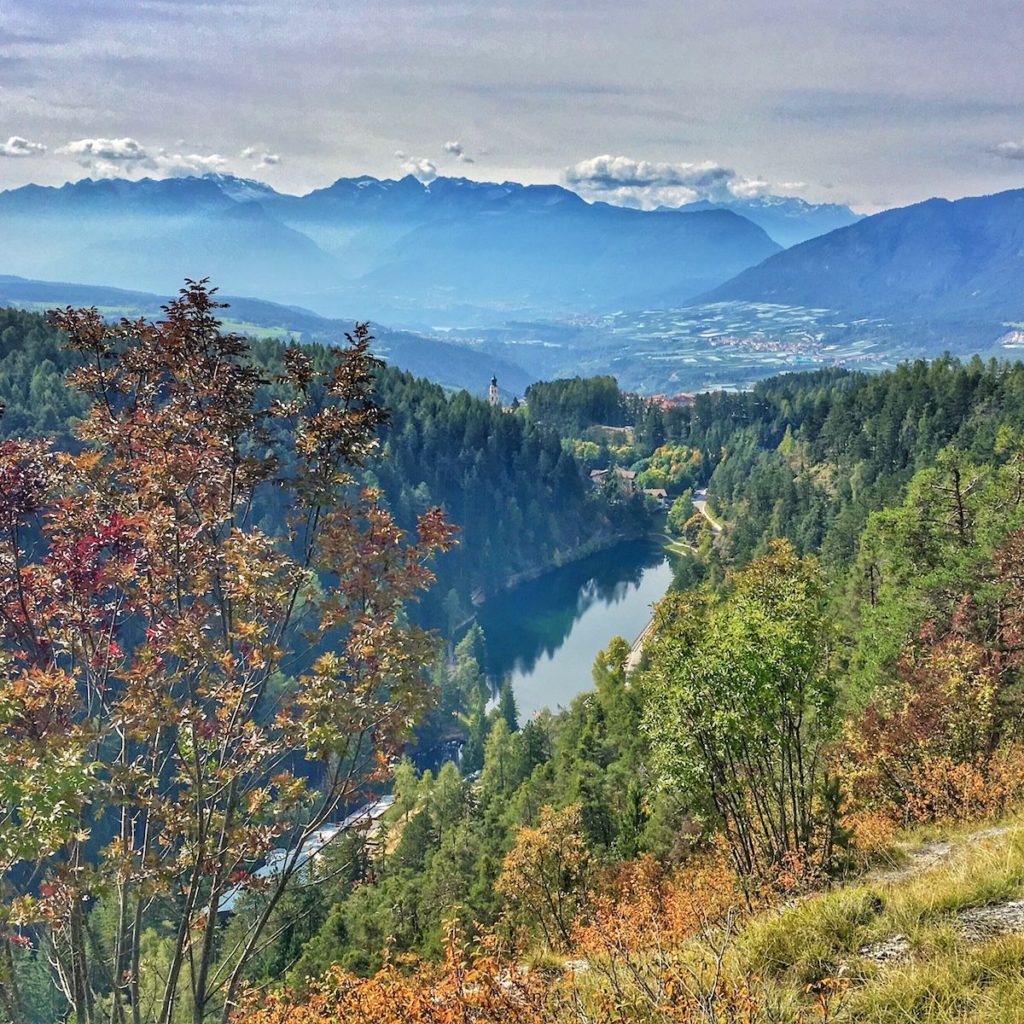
point(789, 717)
point(520, 500)
point(665, 849)
point(935, 260)
point(804, 456)
point(808, 456)
point(431, 357)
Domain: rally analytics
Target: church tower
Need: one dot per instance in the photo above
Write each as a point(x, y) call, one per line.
point(492, 395)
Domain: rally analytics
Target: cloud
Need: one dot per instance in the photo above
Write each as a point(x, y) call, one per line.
point(622, 171)
point(647, 184)
point(176, 165)
point(16, 146)
point(421, 168)
point(112, 157)
point(457, 150)
point(1009, 150)
point(113, 150)
point(749, 188)
point(260, 158)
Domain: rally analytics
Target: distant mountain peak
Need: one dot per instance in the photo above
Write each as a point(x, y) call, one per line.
point(401, 250)
point(935, 260)
point(241, 189)
point(787, 219)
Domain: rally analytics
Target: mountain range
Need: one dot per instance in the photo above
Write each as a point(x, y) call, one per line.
point(788, 220)
point(532, 277)
point(453, 250)
point(940, 260)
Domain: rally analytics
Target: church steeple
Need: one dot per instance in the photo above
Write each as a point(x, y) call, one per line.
point(492, 395)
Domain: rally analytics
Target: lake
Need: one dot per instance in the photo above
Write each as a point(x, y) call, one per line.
point(545, 634)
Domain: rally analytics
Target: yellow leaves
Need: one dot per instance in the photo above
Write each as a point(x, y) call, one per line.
point(257, 800)
point(253, 632)
point(24, 911)
point(544, 876)
point(290, 790)
point(328, 665)
point(87, 461)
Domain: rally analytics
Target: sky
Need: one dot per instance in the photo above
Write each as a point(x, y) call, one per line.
point(644, 102)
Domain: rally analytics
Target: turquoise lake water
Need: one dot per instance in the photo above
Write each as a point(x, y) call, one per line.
point(545, 634)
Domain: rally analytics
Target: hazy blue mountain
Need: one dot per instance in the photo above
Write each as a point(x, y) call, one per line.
point(149, 235)
point(935, 260)
point(453, 251)
point(564, 257)
point(453, 365)
point(787, 219)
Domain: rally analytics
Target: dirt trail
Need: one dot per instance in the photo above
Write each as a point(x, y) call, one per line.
point(977, 924)
point(700, 503)
point(920, 859)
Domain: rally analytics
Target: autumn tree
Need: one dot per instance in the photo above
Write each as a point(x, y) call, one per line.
point(544, 876)
point(936, 598)
point(181, 691)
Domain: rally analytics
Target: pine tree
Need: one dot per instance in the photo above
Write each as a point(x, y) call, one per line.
point(507, 706)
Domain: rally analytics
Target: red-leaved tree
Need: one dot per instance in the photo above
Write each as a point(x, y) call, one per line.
point(181, 690)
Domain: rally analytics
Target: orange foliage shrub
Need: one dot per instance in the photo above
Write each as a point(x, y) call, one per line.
point(656, 950)
point(870, 833)
point(544, 876)
point(645, 907)
point(941, 788)
point(464, 989)
point(928, 750)
point(657, 944)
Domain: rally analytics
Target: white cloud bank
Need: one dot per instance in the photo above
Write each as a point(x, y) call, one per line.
point(16, 146)
point(647, 184)
point(113, 157)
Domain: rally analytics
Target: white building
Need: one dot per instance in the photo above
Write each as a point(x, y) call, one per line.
point(364, 819)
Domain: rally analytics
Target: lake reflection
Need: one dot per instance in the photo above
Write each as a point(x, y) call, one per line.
point(544, 635)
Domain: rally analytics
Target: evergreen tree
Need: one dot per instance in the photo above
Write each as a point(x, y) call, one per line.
point(507, 706)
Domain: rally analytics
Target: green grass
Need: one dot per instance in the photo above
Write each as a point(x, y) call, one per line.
point(984, 983)
point(672, 544)
point(258, 331)
point(946, 977)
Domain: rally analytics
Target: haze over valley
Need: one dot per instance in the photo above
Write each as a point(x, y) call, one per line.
point(473, 278)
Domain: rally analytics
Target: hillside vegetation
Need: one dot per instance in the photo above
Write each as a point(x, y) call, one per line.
point(520, 500)
point(801, 804)
point(734, 831)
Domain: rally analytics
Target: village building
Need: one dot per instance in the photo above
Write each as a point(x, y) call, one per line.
point(659, 494)
point(626, 478)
